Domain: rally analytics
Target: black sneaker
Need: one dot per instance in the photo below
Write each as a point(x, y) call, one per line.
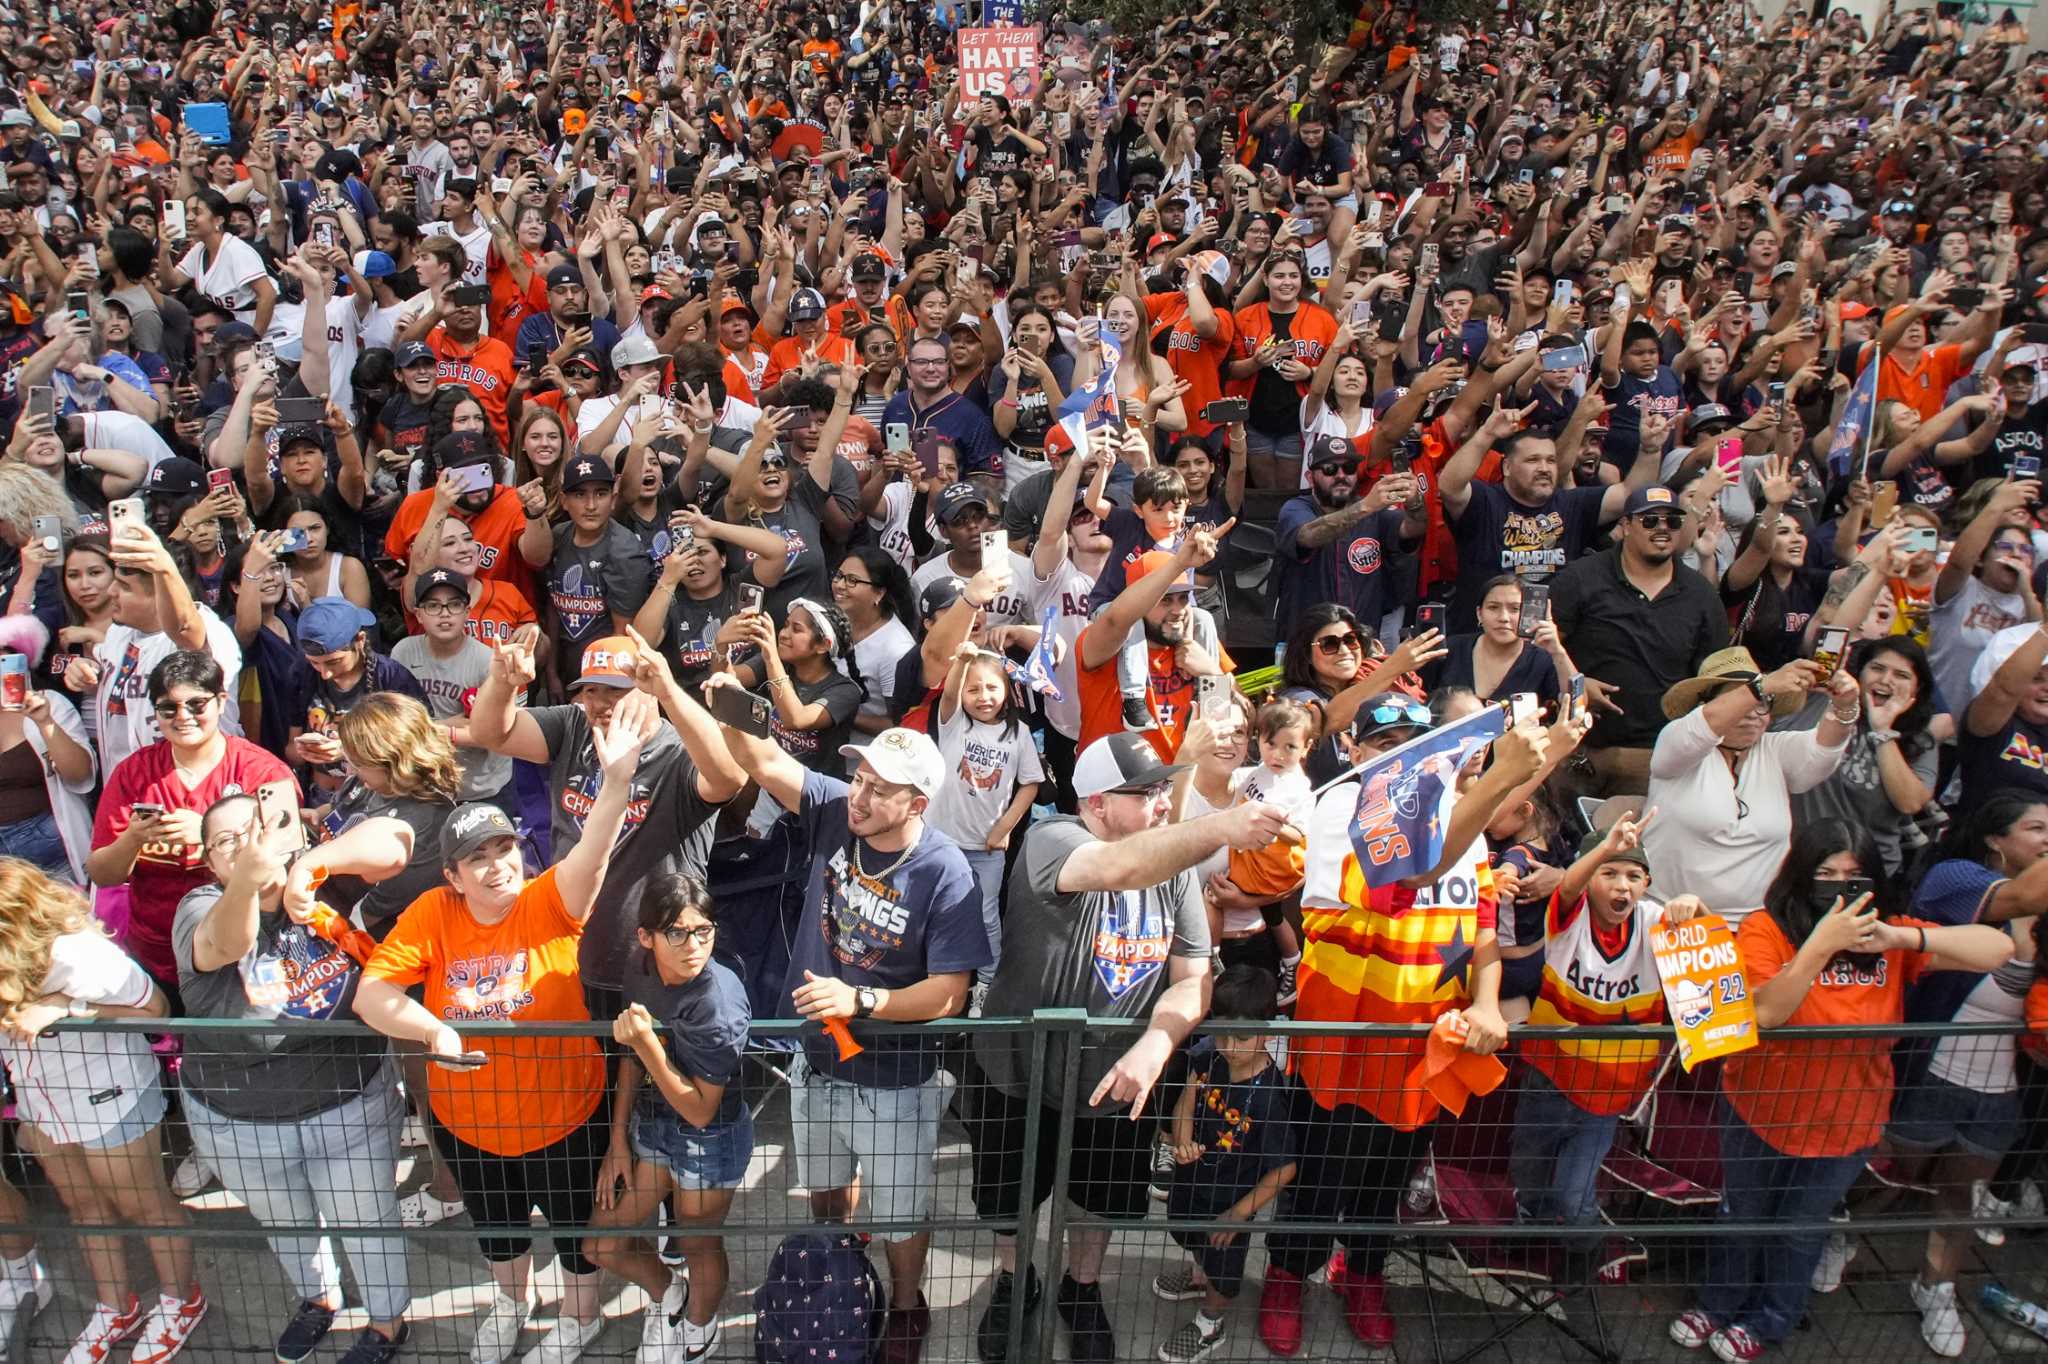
point(1288, 992)
point(992, 1333)
point(1138, 715)
point(374, 1347)
point(1081, 1308)
point(304, 1332)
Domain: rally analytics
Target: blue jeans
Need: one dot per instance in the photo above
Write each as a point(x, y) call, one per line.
point(338, 1167)
point(988, 874)
point(1556, 1153)
point(1760, 1283)
point(37, 840)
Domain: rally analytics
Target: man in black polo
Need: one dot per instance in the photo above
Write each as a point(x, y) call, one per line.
point(1636, 620)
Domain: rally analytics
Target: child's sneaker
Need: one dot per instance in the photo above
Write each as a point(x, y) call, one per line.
point(1163, 1166)
point(1195, 1341)
point(1176, 1285)
point(1986, 1206)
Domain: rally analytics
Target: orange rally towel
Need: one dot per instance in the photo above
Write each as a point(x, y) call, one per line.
point(1452, 1074)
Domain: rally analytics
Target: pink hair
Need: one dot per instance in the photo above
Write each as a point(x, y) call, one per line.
point(24, 634)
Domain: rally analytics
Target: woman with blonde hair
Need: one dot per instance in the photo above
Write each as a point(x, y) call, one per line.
point(405, 769)
point(26, 494)
point(103, 1158)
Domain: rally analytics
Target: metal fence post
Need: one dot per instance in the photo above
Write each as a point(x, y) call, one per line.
point(1073, 1024)
point(1027, 1216)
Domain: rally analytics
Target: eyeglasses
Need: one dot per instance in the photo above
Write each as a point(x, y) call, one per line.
point(1333, 644)
point(1401, 712)
point(442, 606)
point(852, 581)
point(683, 937)
point(1146, 793)
point(194, 706)
point(928, 360)
point(1666, 520)
point(229, 841)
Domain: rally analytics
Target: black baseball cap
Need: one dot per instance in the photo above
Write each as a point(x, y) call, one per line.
point(440, 577)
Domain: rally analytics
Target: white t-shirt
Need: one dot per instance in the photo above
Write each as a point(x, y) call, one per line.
point(877, 657)
point(984, 766)
point(380, 329)
point(126, 658)
point(229, 278)
point(289, 319)
point(476, 244)
point(891, 523)
point(1984, 1064)
point(1217, 863)
point(1011, 608)
point(592, 415)
point(57, 1079)
point(1069, 587)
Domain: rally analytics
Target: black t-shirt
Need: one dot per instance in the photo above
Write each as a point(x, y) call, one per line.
point(692, 625)
point(1775, 629)
point(2024, 433)
point(1497, 534)
point(1275, 402)
point(995, 155)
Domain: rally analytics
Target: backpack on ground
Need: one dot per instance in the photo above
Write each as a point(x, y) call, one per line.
point(822, 1300)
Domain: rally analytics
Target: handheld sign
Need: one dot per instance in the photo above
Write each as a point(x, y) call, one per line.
point(1704, 988)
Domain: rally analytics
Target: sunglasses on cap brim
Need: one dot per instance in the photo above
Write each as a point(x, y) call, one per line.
point(1389, 713)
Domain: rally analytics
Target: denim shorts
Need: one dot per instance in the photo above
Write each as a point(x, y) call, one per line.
point(695, 1157)
point(137, 1123)
point(1935, 1114)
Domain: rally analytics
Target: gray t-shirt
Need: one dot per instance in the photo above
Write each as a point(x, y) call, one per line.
point(668, 829)
point(1103, 951)
point(290, 974)
point(1855, 790)
point(451, 685)
point(143, 312)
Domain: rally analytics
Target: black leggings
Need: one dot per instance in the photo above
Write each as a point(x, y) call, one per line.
point(1353, 1168)
point(503, 1191)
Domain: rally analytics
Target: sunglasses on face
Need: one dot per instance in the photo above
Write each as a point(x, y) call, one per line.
point(775, 462)
point(1330, 470)
point(1669, 520)
point(194, 706)
point(1330, 645)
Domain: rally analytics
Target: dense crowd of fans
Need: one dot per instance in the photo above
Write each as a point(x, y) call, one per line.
point(541, 513)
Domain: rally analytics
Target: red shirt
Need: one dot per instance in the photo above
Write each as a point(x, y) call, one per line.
point(165, 871)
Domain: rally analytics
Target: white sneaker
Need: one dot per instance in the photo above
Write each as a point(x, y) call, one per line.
point(566, 1342)
point(23, 1294)
point(1941, 1325)
point(2031, 1203)
point(977, 995)
point(697, 1340)
point(663, 1332)
point(499, 1331)
point(107, 1328)
point(1986, 1205)
point(191, 1177)
point(423, 1209)
point(1834, 1260)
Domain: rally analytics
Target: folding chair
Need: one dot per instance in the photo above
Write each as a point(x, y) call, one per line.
point(1471, 1188)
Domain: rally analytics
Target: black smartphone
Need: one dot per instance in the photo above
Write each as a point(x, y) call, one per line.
point(743, 710)
point(1846, 890)
point(1535, 609)
point(1429, 616)
point(470, 296)
point(1224, 410)
point(469, 1060)
point(301, 411)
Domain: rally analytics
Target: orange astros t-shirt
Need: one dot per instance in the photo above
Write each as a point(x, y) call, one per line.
point(1191, 356)
point(534, 1091)
point(496, 529)
point(1822, 1096)
point(485, 369)
point(1172, 699)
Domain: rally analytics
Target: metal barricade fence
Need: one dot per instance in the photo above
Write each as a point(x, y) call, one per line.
point(1525, 1227)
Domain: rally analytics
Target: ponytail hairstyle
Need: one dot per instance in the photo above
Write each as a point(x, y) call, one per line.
point(897, 598)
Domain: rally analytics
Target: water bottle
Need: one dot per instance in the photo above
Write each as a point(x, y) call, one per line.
point(2029, 1316)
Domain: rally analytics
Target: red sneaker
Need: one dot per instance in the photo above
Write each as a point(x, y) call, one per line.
point(1365, 1309)
point(1280, 1312)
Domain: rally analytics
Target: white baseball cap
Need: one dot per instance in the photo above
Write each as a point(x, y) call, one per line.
point(903, 756)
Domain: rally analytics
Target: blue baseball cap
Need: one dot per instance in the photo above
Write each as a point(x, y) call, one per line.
point(330, 624)
point(410, 354)
point(375, 264)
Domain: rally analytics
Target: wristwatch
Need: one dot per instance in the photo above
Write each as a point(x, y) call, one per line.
point(864, 1002)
